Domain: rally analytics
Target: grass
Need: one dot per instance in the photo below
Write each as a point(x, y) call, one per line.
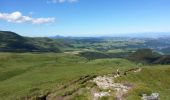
point(27, 74)
point(150, 80)
point(31, 74)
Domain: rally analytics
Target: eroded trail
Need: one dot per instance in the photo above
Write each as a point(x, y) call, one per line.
point(108, 87)
point(107, 83)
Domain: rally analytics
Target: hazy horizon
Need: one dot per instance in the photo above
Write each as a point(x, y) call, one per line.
point(139, 34)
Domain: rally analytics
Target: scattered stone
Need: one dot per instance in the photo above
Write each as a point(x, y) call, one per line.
point(100, 94)
point(138, 70)
point(153, 96)
point(103, 82)
point(106, 82)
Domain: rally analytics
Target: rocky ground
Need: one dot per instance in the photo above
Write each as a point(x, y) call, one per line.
point(107, 83)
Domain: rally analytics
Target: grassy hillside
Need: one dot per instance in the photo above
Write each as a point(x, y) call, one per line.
point(148, 56)
point(35, 74)
point(31, 74)
point(149, 80)
point(12, 42)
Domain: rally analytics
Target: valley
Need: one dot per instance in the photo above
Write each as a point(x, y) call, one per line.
point(78, 71)
point(84, 50)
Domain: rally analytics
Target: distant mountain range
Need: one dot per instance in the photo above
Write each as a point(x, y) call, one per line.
point(147, 35)
point(130, 35)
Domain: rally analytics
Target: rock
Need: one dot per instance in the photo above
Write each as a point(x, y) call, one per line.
point(101, 94)
point(106, 82)
point(138, 70)
point(153, 96)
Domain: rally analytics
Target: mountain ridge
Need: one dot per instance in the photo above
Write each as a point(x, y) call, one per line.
point(12, 42)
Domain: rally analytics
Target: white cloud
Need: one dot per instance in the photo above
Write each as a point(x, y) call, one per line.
point(42, 20)
point(17, 17)
point(62, 1)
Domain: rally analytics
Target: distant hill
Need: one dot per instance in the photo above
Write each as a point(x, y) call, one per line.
point(144, 56)
point(166, 50)
point(149, 56)
point(12, 42)
point(141, 35)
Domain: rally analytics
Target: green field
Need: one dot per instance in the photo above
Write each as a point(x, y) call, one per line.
point(33, 74)
point(28, 74)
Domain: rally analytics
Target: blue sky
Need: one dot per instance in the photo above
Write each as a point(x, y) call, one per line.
point(84, 17)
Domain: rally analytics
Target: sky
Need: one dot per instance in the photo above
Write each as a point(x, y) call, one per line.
point(84, 17)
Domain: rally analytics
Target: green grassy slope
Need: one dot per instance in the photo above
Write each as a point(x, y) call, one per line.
point(26, 74)
point(150, 80)
point(13, 42)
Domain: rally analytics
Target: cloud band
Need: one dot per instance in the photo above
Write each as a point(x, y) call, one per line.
point(17, 17)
